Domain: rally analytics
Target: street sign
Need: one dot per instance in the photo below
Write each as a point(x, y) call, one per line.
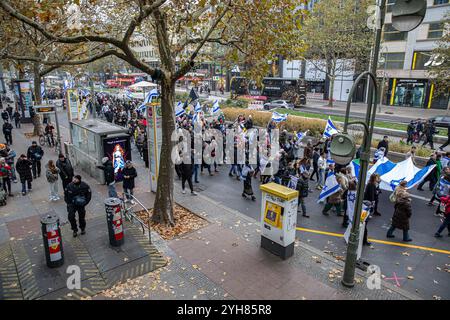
point(42, 109)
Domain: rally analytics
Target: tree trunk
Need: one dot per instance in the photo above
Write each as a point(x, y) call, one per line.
point(38, 99)
point(331, 93)
point(163, 207)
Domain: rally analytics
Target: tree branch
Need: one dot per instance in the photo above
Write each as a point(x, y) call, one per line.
point(188, 65)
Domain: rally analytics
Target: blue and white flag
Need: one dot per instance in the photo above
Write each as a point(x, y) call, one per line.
point(42, 90)
point(292, 184)
point(354, 165)
point(330, 129)
point(301, 135)
point(215, 107)
point(179, 111)
point(277, 117)
point(444, 187)
point(331, 187)
point(148, 99)
point(128, 93)
point(445, 161)
point(198, 107)
point(330, 161)
point(391, 174)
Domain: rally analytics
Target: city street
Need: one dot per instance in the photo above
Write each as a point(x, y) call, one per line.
point(426, 258)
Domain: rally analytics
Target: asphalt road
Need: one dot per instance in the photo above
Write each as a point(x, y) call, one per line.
point(403, 261)
point(421, 264)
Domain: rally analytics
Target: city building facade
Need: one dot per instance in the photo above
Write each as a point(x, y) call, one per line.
point(407, 56)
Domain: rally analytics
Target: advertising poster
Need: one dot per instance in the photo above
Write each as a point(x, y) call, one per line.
point(72, 103)
point(24, 97)
point(118, 150)
point(154, 140)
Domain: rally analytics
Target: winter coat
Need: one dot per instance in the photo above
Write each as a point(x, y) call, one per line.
point(73, 190)
point(370, 194)
point(446, 201)
point(128, 183)
point(7, 128)
point(5, 171)
point(109, 172)
point(51, 177)
point(65, 169)
point(402, 213)
point(302, 187)
point(23, 167)
point(35, 153)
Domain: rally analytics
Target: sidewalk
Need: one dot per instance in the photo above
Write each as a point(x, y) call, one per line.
point(360, 108)
point(220, 261)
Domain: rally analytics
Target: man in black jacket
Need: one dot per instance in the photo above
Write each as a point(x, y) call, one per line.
point(23, 167)
point(384, 144)
point(7, 132)
point(35, 154)
point(110, 181)
point(17, 118)
point(77, 195)
point(65, 170)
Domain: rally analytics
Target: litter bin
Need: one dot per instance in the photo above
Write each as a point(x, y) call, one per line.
point(114, 218)
point(51, 233)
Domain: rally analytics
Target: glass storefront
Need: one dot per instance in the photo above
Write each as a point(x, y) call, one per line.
point(409, 92)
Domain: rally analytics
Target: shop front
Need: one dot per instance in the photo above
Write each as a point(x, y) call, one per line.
point(417, 93)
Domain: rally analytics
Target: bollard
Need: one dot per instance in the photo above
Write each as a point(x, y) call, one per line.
point(51, 234)
point(113, 208)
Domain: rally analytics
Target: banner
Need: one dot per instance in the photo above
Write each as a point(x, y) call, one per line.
point(154, 135)
point(362, 224)
point(72, 103)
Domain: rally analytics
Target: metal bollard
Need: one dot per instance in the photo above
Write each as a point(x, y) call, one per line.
point(114, 218)
point(51, 233)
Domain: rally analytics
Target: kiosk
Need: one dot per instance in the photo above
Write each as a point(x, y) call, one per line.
point(94, 139)
point(278, 219)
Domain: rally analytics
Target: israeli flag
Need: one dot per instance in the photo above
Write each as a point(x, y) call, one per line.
point(198, 107)
point(391, 174)
point(148, 99)
point(128, 93)
point(331, 187)
point(330, 161)
point(277, 117)
point(216, 107)
point(301, 135)
point(330, 129)
point(354, 165)
point(444, 187)
point(179, 111)
point(42, 90)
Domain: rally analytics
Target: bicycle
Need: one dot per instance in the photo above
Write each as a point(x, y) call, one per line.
point(44, 139)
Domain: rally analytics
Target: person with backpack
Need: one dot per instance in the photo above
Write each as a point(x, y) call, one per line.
point(23, 167)
point(51, 174)
point(129, 174)
point(446, 223)
point(5, 176)
point(303, 191)
point(7, 132)
point(402, 214)
point(77, 196)
point(35, 154)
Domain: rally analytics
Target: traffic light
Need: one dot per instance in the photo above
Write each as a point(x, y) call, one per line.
point(408, 14)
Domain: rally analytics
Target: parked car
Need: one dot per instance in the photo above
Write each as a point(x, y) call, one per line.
point(278, 104)
point(441, 121)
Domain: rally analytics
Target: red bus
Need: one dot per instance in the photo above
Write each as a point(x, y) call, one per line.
point(121, 80)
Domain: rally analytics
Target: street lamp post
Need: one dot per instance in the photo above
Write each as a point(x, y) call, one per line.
point(406, 15)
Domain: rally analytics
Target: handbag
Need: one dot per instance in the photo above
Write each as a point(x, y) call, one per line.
point(393, 197)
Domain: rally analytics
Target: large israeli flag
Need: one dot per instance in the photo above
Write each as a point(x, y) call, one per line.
point(331, 187)
point(179, 111)
point(277, 117)
point(392, 174)
point(330, 129)
point(215, 107)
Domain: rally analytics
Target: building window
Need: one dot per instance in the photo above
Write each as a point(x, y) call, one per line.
point(392, 34)
point(435, 30)
point(393, 61)
point(436, 2)
point(421, 60)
